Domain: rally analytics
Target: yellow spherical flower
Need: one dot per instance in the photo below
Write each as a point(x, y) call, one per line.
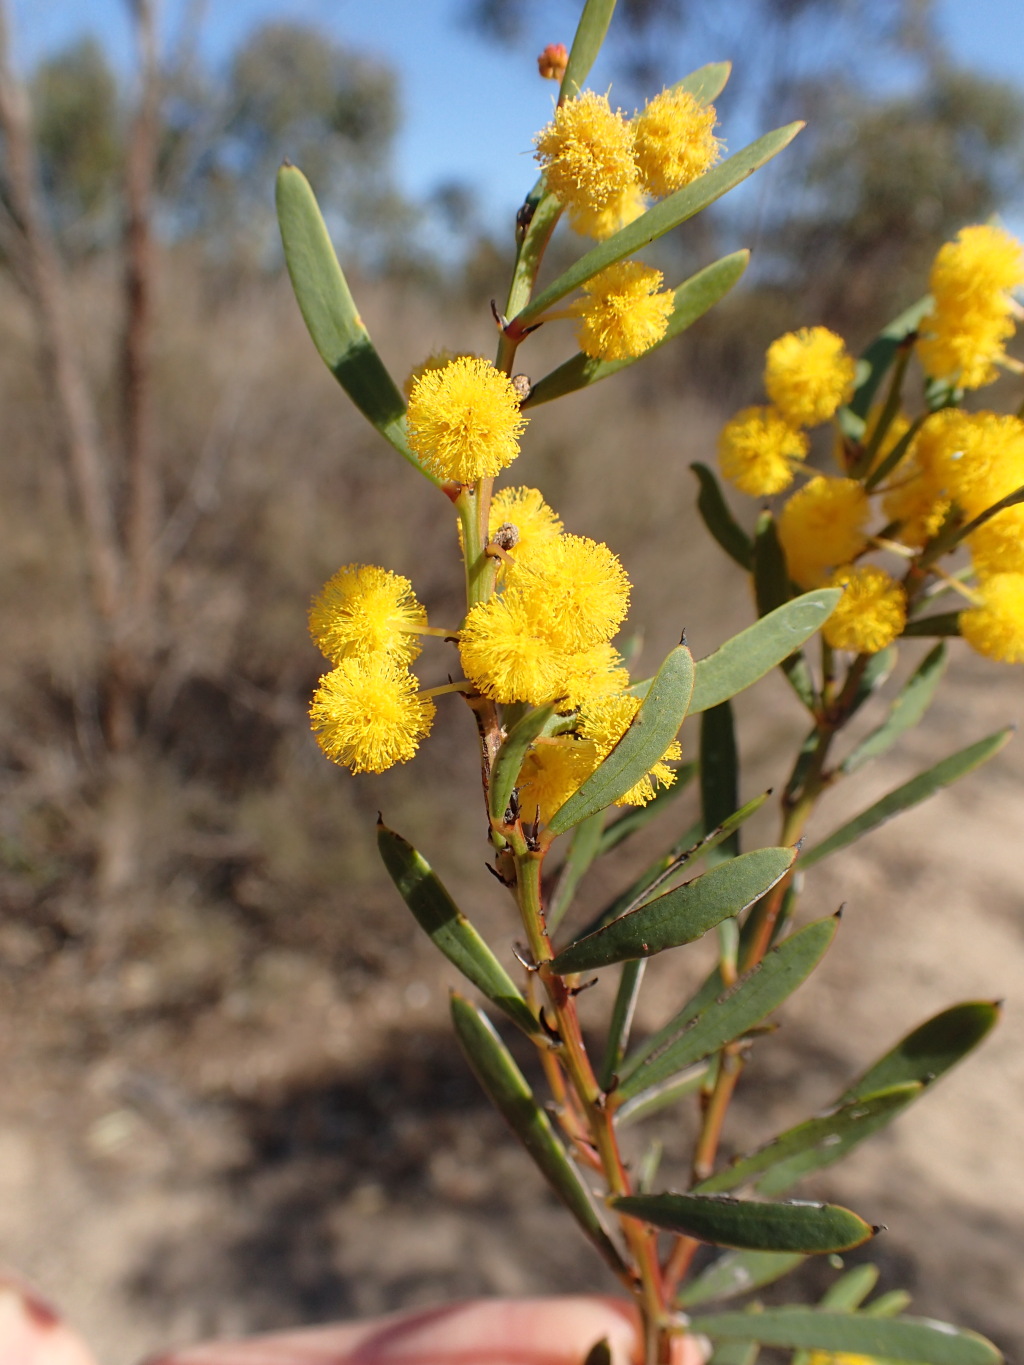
point(974, 458)
point(619, 211)
point(525, 509)
point(871, 612)
point(577, 588)
point(587, 152)
point(365, 610)
point(808, 374)
point(674, 141)
point(604, 722)
point(623, 314)
point(437, 360)
point(911, 501)
point(995, 628)
point(367, 714)
point(505, 652)
point(590, 675)
point(997, 546)
point(822, 525)
point(758, 450)
point(464, 420)
point(965, 336)
point(554, 771)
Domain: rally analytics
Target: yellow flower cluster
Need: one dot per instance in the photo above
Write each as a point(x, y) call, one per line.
point(601, 164)
point(964, 337)
point(623, 314)
point(822, 526)
point(807, 375)
point(367, 713)
point(546, 637)
point(758, 451)
point(464, 420)
point(871, 612)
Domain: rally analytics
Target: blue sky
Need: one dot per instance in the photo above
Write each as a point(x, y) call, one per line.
point(470, 108)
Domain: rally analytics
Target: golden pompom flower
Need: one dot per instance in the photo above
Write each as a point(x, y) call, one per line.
point(871, 612)
point(911, 501)
point(822, 525)
point(553, 771)
point(995, 627)
point(975, 458)
point(997, 546)
point(964, 337)
point(674, 141)
point(624, 207)
point(505, 651)
point(623, 314)
point(604, 722)
point(365, 610)
point(758, 451)
point(525, 509)
point(808, 374)
point(590, 675)
point(577, 589)
point(586, 152)
point(464, 420)
point(367, 714)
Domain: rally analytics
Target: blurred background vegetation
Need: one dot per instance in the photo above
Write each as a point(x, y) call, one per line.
point(181, 871)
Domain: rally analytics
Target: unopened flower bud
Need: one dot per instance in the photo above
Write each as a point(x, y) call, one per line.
point(521, 384)
point(552, 62)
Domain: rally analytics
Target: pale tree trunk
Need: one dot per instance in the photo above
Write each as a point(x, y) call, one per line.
point(118, 502)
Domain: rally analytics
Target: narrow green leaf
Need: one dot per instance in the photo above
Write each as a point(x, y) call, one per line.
point(748, 656)
point(707, 82)
point(889, 1305)
point(689, 1036)
point(583, 849)
point(851, 1289)
point(653, 729)
point(448, 928)
point(735, 1353)
point(681, 915)
point(720, 521)
point(630, 980)
point(752, 1226)
point(773, 639)
point(813, 1144)
point(737, 1272)
point(509, 760)
point(659, 1097)
point(772, 587)
point(590, 34)
point(910, 794)
point(882, 352)
point(635, 818)
point(945, 623)
point(875, 673)
point(693, 298)
point(719, 775)
point(672, 211)
point(331, 315)
point(692, 845)
point(907, 710)
point(929, 1050)
point(812, 1329)
point(506, 1086)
